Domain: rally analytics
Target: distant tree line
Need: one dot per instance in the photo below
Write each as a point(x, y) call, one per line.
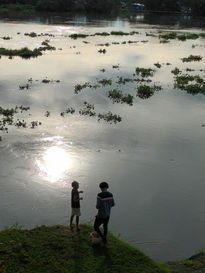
point(103, 6)
point(106, 6)
point(197, 6)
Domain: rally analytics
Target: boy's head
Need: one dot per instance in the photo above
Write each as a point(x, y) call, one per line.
point(104, 186)
point(75, 184)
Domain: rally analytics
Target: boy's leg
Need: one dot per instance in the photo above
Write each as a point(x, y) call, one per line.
point(98, 222)
point(71, 221)
point(77, 223)
point(105, 226)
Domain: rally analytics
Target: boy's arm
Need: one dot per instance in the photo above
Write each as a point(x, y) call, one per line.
point(98, 202)
point(113, 202)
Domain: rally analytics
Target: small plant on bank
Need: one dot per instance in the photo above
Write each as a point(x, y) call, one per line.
point(120, 33)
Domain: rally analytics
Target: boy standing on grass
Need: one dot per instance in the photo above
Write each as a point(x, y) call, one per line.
point(104, 203)
point(75, 204)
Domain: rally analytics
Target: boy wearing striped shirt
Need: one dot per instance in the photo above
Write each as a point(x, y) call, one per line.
point(104, 203)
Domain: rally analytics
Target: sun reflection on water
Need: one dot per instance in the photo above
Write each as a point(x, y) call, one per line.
point(54, 164)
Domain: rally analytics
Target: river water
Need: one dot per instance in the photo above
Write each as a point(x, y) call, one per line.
point(153, 159)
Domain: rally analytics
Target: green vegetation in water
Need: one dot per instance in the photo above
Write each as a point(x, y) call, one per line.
point(102, 34)
point(102, 51)
point(7, 118)
point(88, 110)
point(146, 91)
point(31, 34)
point(6, 38)
point(79, 87)
point(122, 80)
point(197, 84)
point(110, 118)
point(23, 52)
point(158, 65)
point(176, 71)
point(191, 58)
point(120, 33)
point(181, 37)
point(144, 72)
point(70, 110)
point(168, 36)
point(56, 249)
point(117, 96)
point(105, 82)
point(78, 35)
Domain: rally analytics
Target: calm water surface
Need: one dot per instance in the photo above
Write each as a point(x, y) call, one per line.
point(153, 159)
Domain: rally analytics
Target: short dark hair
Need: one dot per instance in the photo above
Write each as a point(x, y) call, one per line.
point(74, 183)
point(104, 185)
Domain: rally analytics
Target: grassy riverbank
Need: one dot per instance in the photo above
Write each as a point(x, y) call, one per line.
point(56, 249)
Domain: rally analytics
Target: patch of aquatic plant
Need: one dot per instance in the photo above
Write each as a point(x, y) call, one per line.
point(192, 58)
point(132, 42)
point(88, 110)
point(117, 96)
point(6, 38)
point(158, 65)
point(106, 44)
point(189, 69)
point(70, 110)
point(164, 41)
point(25, 86)
point(122, 80)
point(120, 33)
point(109, 117)
point(46, 80)
point(47, 114)
point(150, 34)
point(197, 86)
point(79, 87)
point(127, 99)
point(35, 124)
point(102, 70)
point(45, 46)
point(8, 118)
point(105, 82)
point(144, 72)
point(102, 51)
point(176, 71)
point(101, 34)
point(23, 52)
point(168, 36)
point(116, 66)
point(78, 35)
point(20, 123)
point(145, 91)
point(31, 34)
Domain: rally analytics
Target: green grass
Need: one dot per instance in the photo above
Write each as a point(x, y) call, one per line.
point(54, 249)
point(145, 91)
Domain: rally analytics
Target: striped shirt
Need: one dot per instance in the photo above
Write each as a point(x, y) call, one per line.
point(104, 203)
